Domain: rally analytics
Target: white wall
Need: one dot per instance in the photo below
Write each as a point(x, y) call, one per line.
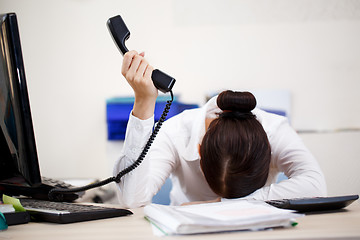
point(309, 47)
point(338, 154)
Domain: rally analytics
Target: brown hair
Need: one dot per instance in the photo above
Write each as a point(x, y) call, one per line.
point(235, 151)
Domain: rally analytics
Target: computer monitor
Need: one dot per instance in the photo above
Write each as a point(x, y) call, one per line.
point(18, 156)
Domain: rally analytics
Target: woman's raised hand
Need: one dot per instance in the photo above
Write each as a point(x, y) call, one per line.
point(137, 72)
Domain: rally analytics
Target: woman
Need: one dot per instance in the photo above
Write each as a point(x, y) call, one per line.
point(226, 149)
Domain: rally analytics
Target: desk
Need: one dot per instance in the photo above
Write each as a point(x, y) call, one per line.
point(344, 224)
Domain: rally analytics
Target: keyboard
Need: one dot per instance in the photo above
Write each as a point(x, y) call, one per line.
point(64, 212)
point(314, 204)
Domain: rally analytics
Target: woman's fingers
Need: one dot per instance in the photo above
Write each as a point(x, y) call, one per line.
point(127, 62)
point(140, 73)
point(137, 72)
point(135, 67)
point(148, 71)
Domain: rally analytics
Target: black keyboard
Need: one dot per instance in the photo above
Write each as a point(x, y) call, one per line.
point(314, 204)
point(64, 212)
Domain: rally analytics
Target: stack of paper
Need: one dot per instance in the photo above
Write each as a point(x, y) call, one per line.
point(218, 217)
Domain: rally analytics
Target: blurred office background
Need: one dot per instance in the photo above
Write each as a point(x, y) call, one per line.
point(307, 48)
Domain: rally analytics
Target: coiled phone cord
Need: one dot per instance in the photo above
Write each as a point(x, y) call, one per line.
point(56, 194)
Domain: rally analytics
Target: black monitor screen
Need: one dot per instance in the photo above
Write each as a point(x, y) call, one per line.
point(18, 156)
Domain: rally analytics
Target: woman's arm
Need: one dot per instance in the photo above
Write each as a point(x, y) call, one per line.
point(291, 156)
point(138, 187)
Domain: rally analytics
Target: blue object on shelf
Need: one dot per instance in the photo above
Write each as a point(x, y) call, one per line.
point(118, 110)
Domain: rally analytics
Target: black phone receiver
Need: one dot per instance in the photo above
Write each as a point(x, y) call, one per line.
point(120, 34)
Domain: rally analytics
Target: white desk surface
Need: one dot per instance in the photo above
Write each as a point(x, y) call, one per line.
point(344, 224)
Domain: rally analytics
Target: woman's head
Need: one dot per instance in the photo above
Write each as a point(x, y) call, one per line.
point(235, 152)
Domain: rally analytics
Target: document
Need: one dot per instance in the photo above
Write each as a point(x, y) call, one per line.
point(218, 217)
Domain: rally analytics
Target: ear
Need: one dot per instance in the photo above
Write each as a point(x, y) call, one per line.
point(199, 149)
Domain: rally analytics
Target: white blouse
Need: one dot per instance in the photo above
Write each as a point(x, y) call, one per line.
point(174, 153)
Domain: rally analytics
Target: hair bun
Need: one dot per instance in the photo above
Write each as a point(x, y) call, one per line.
point(236, 101)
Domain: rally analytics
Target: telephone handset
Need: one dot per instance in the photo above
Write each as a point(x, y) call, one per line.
point(120, 34)
point(162, 81)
